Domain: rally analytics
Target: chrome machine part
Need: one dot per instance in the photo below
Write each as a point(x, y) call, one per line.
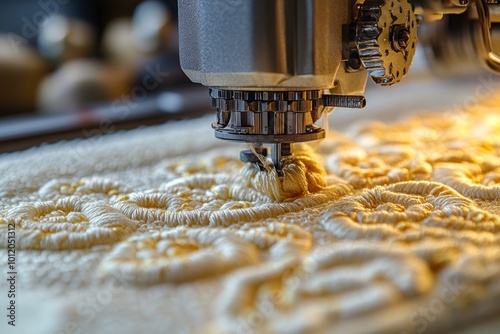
point(386, 38)
point(270, 63)
point(490, 57)
point(450, 46)
point(465, 43)
point(434, 10)
point(267, 117)
point(279, 118)
point(263, 45)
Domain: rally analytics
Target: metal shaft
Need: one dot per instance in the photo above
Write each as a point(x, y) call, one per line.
point(278, 151)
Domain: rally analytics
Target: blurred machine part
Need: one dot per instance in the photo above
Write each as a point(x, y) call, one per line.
point(274, 67)
point(22, 69)
point(148, 32)
point(43, 37)
point(133, 48)
point(82, 83)
point(453, 44)
point(62, 39)
point(151, 26)
point(117, 44)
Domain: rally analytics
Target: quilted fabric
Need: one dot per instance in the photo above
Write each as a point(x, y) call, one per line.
point(387, 228)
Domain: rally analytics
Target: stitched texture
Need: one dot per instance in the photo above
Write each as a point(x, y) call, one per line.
point(395, 221)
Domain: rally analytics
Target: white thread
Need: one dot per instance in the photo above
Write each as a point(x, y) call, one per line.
point(90, 189)
point(178, 255)
point(281, 240)
point(347, 280)
point(68, 223)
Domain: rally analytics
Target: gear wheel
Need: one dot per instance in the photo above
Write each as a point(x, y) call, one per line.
point(386, 36)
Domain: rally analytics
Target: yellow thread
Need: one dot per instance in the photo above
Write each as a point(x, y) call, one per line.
point(400, 212)
point(303, 174)
point(470, 180)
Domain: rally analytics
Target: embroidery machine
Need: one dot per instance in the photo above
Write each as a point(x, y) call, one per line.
point(275, 67)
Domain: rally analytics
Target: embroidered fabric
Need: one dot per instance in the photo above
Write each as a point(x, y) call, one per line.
point(388, 228)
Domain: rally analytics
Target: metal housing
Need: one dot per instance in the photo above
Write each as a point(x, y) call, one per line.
point(263, 44)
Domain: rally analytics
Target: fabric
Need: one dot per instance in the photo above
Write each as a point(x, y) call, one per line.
point(387, 228)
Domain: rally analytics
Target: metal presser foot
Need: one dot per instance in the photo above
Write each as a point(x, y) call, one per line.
point(279, 151)
point(276, 119)
point(272, 118)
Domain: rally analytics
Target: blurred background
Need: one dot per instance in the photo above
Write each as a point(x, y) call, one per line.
point(76, 69)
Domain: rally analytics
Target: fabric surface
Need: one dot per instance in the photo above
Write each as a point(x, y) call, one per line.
point(387, 228)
